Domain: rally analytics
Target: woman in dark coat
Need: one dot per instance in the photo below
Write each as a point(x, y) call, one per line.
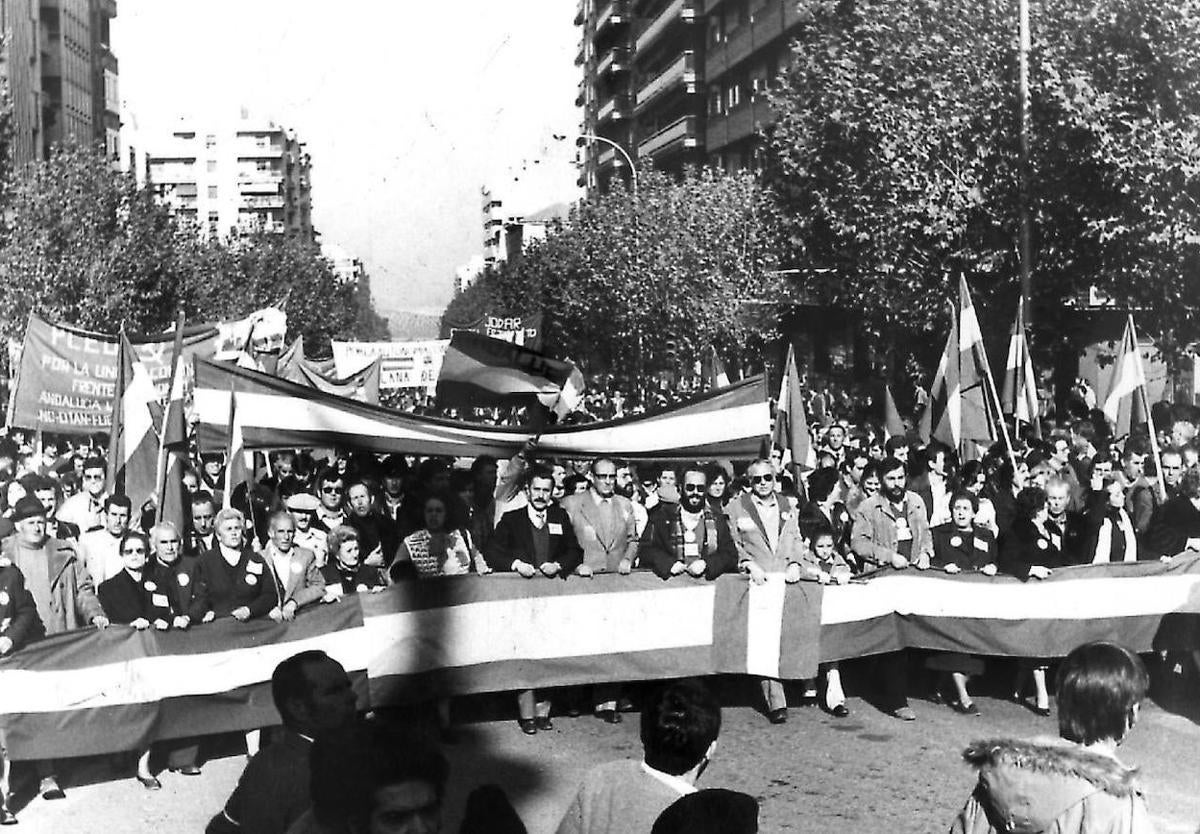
point(1027, 551)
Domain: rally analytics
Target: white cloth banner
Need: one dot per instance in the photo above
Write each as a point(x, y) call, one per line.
point(414, 364)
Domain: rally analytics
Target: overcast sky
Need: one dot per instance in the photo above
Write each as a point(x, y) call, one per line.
point(408, 109)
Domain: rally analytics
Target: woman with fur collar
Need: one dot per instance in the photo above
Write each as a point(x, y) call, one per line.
point(1075, 784)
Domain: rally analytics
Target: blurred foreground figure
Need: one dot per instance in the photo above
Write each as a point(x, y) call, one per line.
point(1072, 785)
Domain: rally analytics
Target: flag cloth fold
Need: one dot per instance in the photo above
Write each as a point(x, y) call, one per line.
point(134, 438)
point(481, 371)
point(791, 423)
point(173, 505)
point(1020, 397)
point(1124, 403)
point(893, 426)
point(236, 471)
point(712, 370)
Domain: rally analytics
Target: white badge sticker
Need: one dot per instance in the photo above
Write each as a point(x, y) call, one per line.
point(160, 601)
point(956, 541)
point(691, 549)
point(254, 567)
point(183, 579)
point(981, 544)
point(903, 533)
point(251, 579)
point(1042, 544)
point(150, 586)
point(554, 528)
point(689, 535)
point(297, 568)
point(4, 598)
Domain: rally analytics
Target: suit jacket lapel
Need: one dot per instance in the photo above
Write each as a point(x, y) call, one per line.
point(748, 503)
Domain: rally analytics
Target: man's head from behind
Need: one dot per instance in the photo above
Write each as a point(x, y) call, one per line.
point(680, 725)
point(373, 780)
point(313, 693)
point(711, 811)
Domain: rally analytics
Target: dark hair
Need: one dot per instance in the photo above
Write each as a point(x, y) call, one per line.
point(894, 443)
point(348, 768)
point(480, 462)
point(118, 500)
point(1190, 484)
point(203, 496)
point(964, 495)
point(329, 475)
point(679, 723)
point(1028, 501)
point(821, 483)
point(536, 472)
point(289, 681)
point(94, 462)
point(710, 811)
point(712, 471)
point(134, 534)
point(572, 483)
point(819, 531)
point(890, 464)
point(1098, 686)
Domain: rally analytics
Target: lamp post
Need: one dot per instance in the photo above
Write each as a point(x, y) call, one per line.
point(591, 137)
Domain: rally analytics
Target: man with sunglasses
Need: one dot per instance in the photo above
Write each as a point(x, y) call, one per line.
point(691, 539)
point(605, 529)
point(84, 508)
point(331, 514)
point(766, 534)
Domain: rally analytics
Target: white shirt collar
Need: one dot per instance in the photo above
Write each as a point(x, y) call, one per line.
point(673, 782)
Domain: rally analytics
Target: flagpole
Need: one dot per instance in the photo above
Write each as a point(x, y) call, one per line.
point(229, 450)
point(161, 471)
point(1154, 450)
point(115, 427)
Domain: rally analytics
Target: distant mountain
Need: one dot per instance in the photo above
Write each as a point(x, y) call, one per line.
point(409, 324)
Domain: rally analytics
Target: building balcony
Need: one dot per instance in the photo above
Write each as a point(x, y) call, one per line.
point(738, 124)
point(580, 12)
point(274, 201)
point(264, 184)
point(682, 133)
point(581, 55)
point(769, 21)
point(249, 153)
point(684, 10)
point(616, 107)
point(681, 71)
point(613, 13)
point(582, 97)
point(617, 59)
point(606, 158)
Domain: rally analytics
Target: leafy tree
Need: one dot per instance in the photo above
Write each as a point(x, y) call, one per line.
point(637, 285)
point(895, 159)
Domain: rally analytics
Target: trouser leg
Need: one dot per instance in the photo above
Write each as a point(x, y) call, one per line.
point(605, 696)
point(525, 704)
point(773, 694)
point(891, 671)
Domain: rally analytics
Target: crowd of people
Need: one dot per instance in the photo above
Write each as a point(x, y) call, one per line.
point(308, 530)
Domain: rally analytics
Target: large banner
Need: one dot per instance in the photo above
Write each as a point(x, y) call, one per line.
point(276, 414)
point(521, 330)
point(66, 378)
point(413, 364)
point(93, 692)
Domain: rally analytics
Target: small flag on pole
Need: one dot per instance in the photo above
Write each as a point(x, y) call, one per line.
point(791, 423)
point(1124, 403)
point(236, 471)
point(893, 426)
point(1020, 398)
point(134, 437)
point(713, 370)
point(173, 505)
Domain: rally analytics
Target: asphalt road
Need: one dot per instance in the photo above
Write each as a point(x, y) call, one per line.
point(865, 773)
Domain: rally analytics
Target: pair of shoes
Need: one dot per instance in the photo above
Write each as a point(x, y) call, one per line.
point(528, 726)
point(189, 770)
point(904, 714)
point(609, 716)
point(965, 709)
point(149, 782)
point(839, 711)
point(7, 817)
point(50, 790)
point(1042, 711)
point(544, 723)
point(778, 716)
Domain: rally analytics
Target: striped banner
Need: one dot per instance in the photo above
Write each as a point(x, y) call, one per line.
point(729, 423)
point(93, 692)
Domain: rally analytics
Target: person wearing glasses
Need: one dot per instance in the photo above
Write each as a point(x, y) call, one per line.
point(84, 508)
point(765, 530)
point(891, 529)
point(331, 489)
point(692, 539)
point(135, 599)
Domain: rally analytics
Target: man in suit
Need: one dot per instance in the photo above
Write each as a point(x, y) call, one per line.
point(535, 540)
point(298, 579)
point(692, 539)
point(314, 697)
point(765, 530)
point(605, 528)
point(203, 537)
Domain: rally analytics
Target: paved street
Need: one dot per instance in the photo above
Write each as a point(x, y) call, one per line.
point(867, 773)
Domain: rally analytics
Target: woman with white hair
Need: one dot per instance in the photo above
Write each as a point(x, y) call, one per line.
point(232, 580)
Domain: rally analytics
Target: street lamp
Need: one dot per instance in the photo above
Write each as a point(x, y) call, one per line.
point(583, 137)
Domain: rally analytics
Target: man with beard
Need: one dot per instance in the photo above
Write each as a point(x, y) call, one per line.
point(536, 540)
point(626, 486)
point(891, 529)
point(765, 530)
point(692, 540)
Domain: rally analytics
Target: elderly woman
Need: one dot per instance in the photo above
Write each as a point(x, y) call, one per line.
point(1076, 784)
point(345, 572)
point(1027, 551)
point(231, 579)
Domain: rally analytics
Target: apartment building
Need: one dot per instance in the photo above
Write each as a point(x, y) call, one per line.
point(677, 82)
point(235, 178)
point(62, 75)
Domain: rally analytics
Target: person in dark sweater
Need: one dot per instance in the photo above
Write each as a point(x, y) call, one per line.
point(231, 579)
point(1176, 529)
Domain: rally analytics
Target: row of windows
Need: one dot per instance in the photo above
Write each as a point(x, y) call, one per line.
point(739, 89)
